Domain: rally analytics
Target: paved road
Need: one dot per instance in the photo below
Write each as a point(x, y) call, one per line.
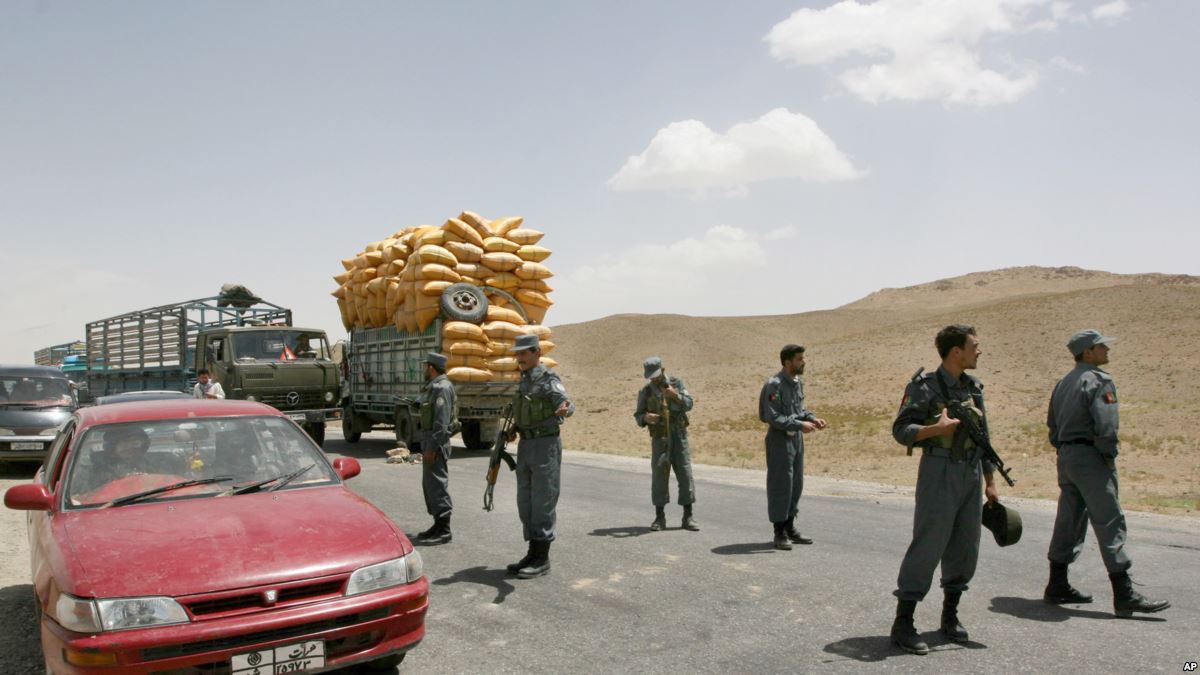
point(623, 599)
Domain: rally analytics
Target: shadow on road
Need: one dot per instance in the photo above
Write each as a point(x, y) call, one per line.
point(19, 631)
point(483, 576)
point(1035, 609)
point(744, 549)
point(874, 649)
point(620, 532)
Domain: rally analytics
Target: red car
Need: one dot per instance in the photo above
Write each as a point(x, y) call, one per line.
point(211, 537)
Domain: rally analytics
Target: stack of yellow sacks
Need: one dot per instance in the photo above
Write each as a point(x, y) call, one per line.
point(400, 280)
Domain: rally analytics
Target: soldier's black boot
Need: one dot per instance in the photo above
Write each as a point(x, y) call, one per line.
point(781, 539)
point(516, 567)
point(793, 534)
point(689, 523)
point(425, 533)
point(904, 632)
point(1059, 590)
point(539, 564)
point(951, 626)
point(1126, 601)
point(441, 532)
point(660, 519)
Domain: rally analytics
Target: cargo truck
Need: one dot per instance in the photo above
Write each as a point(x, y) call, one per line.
point(57, 354)
point(248, 345)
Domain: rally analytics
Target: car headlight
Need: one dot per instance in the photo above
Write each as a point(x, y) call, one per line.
point(7, 432)
point(386, 574)
point(76, 614)
point(52, 431)
point(121, 613)
point(329, 397)
point(250, 397)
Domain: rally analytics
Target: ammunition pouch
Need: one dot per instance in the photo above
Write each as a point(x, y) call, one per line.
point(530, 411)
point(543, 431)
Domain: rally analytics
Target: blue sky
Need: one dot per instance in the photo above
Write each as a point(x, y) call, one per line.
point(693, 157)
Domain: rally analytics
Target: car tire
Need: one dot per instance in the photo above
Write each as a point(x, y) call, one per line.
point(464, 302)
point(384, 663)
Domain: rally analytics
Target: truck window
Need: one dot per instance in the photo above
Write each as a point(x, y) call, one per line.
point(280, 345)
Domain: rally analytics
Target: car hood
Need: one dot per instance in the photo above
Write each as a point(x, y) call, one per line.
point(15, 418)
point(189, 546)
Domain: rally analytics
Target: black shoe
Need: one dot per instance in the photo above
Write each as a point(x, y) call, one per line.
point(539, 564)
point(660, 520)
point(689, 523)
point(904, 633)
point(793, 534)
point(1065, 596)
point(1126, 601)
point(425, 533)
point(951, 627)
point(516, 567)
point(781, 540)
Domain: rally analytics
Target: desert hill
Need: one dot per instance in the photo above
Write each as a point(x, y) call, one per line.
point(862, 354)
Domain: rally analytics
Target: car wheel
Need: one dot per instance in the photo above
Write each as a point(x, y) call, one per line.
point(385, 663)
point(349, 429)
point(464, 302)
point(316, 432)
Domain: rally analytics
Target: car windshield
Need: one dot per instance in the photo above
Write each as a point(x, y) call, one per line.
point(36, 391)
point(280, 345)
point(113, 462)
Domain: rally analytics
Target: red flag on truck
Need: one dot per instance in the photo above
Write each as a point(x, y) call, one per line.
point(288, 354)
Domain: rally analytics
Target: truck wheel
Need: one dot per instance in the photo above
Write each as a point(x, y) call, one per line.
point(471, 436)
point(349, 430)
point(404, 428)
point(464, 302)
point(316, 432)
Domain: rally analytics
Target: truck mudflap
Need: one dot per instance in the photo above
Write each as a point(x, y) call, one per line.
point(313, 416)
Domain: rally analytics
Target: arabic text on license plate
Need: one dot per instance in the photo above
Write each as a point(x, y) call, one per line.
point(28, 446)
point(295, 658)
point(298, 418)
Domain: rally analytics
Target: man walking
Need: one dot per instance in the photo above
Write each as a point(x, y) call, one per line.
point(539, 408)
point(1083, 428)
point(439, 403)
point(662, 407)
point(781, 406)
point(949, 507)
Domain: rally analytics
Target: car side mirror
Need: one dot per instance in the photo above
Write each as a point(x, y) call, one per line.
point(346, 467)
point(36, 497)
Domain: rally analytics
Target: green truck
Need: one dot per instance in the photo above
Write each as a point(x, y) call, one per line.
point(248, 345)
point(384, 370)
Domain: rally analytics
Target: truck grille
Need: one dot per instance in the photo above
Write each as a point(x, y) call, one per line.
point(304, 399)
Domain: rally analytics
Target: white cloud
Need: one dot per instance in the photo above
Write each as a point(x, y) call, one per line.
point(1110, 11)
point(688, 155)
point(1062, 63)
point(920, 50)
point(785, 232)
point(712, 274)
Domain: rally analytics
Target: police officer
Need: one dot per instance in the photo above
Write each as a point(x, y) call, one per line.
point(539, 408)
point(781, 406)
point(439, 403)
point(1083, 427)
point(949, 507)
point(662, 406)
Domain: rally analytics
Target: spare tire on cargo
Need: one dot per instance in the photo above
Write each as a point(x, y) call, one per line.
point(464, 302)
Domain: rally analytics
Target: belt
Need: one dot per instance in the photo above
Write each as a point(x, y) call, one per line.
point(539, 432)
point(952, 454)
point(1078, 441)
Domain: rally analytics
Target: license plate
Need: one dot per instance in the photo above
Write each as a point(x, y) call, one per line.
point(295, 658)
point(297, 417)
point(28, 446)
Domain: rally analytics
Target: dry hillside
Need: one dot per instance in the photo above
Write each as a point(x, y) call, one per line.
point(862, 354)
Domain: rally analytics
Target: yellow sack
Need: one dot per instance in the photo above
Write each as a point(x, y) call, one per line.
point(373, 246)
point(538, 285)
point(434, 254)
point(373, 258)
point(505, 281)
point(425, 317)
point(468, 361)
point(549, 362)
point(348, 263)
point(463, 231)
point(461, 330)
point(500, 347)
point(502, 330)
point(536, 314)
point(342, 277)
point(472, 270)
point(435, 237)
point(396, 251)
point(434, 272)
point(464, 374)
point(474, 220)
point(510, 376)
point(499, 244)
point(528, 297)
point(546, 345)
point(425, 301)
point(533, 253)
point(498, 313)
point(464, 348)
point(503, 262)
point(532, 270)
point(434, 288)
point(501, 227)
point(464, 252)
point(377, 285)
point(504, 364)
point(525, 236)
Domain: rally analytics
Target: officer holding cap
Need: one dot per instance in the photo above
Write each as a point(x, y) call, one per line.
point(436, 423)
point(662, 407)
point(1083, 428)
point(538, 409)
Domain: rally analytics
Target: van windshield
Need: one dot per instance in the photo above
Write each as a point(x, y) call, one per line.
point(35, 391)
point(280, 345)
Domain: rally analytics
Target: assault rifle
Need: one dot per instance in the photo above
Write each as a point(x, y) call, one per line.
point(978, 435)
point(499, 454)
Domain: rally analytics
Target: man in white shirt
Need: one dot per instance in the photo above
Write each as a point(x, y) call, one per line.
point(206, 387)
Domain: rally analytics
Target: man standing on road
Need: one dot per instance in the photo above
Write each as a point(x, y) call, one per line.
point(949, 506)
point(781, 406)
point(662, 406)
point(206, 387)
point(539, 408)
point(439, 403)
point(1083, 428)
